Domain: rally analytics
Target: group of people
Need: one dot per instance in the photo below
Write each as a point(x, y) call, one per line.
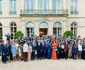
point(45, 47)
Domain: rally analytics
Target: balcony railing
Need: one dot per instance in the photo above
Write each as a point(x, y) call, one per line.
point(38, 12)
point(74, 12)
point(12, 12)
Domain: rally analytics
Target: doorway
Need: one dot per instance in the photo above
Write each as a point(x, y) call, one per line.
point(43, 31)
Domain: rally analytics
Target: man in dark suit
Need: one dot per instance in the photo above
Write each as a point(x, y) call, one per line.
point(74, 51)
point(83, 51)
point(39, 50)
point(49, 48)
point(8, 37)
point(4, 52)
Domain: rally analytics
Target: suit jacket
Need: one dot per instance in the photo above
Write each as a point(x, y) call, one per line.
point(39, 47)
point(83, 47)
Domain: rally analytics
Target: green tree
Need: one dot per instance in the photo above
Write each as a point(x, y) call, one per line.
point(68, 33)
point(18, 34)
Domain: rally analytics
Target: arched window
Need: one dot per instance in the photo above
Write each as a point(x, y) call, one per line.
point(13, 28)
point(74, 28)
point(57, 28)
point(30, 29)
point(43, 25)
point(1, 32)
point(43, 28)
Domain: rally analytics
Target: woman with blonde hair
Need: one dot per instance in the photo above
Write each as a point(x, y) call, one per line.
point(29, 51)
point(13, 49)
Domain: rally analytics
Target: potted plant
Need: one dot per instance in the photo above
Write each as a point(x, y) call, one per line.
point(18, 34)
point(68, 34)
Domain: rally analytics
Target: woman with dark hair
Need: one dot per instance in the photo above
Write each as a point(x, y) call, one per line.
point(54, 46)
point(29, 51)
point(8, 45)
point(66, 50)
point(34, 48)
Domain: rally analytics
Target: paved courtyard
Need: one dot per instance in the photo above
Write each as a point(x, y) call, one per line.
point(45, 65)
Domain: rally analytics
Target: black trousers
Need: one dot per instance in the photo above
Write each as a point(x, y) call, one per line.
point(4, 58)
point(66, 54)
point(25, 56)
point(33, 55)
point(39, 54)
point(62, 53)
point(83, 54)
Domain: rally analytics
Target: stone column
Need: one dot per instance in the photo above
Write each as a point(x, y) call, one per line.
point(64, 4)
point(36, 29)
point(50, 28)
point(23, 4)
point(23, 28)
point(36, 4)
point(63, 26)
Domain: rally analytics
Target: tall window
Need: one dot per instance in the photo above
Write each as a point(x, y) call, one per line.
point(57, 6)
point(12, 6)
point(1, 34)
point(43, 6)
point(74, 28)
point(29, 6)
point(0, 6)
point(13, 28)
point(30, 29)
point(57, 29)
point(74, 6)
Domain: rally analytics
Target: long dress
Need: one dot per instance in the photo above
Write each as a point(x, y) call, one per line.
point(70, 51)
point(29, 53)
point(13, 49)
point(54, 54)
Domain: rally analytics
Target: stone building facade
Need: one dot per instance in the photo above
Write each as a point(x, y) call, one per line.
point(42, 17)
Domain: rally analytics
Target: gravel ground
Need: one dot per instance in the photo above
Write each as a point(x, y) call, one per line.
point(45, 65)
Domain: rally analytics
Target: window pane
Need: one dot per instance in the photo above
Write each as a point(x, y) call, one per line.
point(12, 6)
point(0, 6)
point(74, 6)
point(0, 33)
point(29, 6)
point(43, 4)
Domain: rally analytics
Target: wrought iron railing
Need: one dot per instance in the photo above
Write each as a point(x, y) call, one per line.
point(44, 12)
point(12, 12)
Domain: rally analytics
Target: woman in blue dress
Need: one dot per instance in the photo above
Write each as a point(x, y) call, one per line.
point(13, 49)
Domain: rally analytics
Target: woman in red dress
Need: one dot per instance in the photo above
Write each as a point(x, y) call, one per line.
point(54, 46)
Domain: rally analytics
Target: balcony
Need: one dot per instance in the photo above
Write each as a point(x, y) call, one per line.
point(74, 12)
point(12, 12)
point(43, 13)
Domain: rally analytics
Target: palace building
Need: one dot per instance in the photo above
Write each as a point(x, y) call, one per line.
point(42, 17)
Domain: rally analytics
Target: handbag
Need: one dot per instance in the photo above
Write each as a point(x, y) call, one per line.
point(56, 50)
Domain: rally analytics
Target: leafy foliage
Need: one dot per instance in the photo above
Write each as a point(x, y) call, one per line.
point(68, 33)
point(18, 34)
